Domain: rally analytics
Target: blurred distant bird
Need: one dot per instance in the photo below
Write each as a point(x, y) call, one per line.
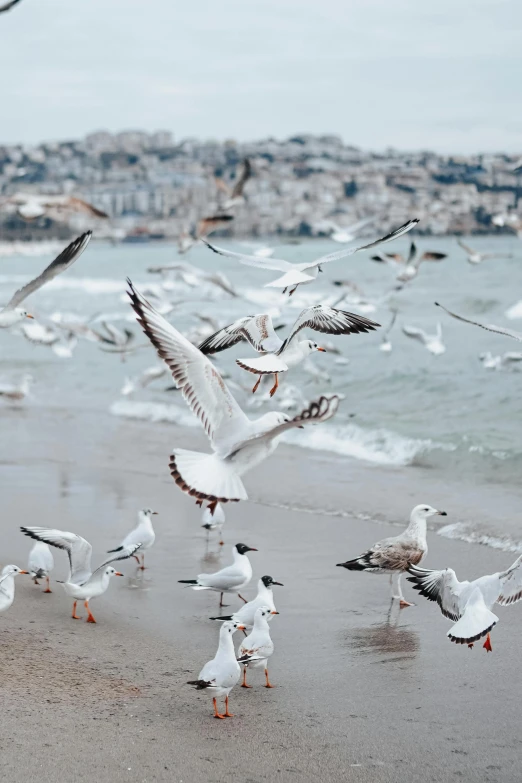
point(16, 391)
point(41, 563)
point(278, 355)
point(475, 257)
point(432, 342)
point(8, 6)
point(487, 327)
point(31, 206)
point(204, 227)
point(348, 233)
point(386, 346)
point(214, 521)
point(409, 267)
point(490, 362)
point(12, 313)
point(194, 276)
point(305, 273)
point(233, 197)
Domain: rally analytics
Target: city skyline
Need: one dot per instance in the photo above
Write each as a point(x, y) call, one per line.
point(434, 77)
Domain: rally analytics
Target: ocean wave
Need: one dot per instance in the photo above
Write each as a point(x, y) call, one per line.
point(349, 440)
point(463, 532)
point(89, 285)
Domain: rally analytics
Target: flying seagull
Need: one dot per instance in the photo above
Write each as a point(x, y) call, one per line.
point(295, 275)
point(233, 197)
point(238, 443)
point(474, 257)
point(31, 206)
point(487, 327)
point(280, 355)
point(12, 313)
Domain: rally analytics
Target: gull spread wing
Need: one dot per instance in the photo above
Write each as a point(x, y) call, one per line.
point(200, 383)
point(62, 262)
point(79, 205)
point(416, 333)
point(412, 253)
point(257, 330)
point(246, 173)
point(325, 319)
point(78, 549)
point(8, 6)
point(317, 411)
point(399, 232)
point(123, 554)
point(431, 255)
point(511, 584)
point(440, 586)
point(487, 327)
point(276, 264)
point(469, 250)
point(211, 223)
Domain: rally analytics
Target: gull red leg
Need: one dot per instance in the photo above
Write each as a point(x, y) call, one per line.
point(256, 387)
point(244, 683)
point(275, 386)
point(216, 713)
point(243, 599)
point(48, 588)
point(136, 559)
point(74, 615)
point(142, 566)
point(268, 683)
point(90, 617)
point(487, 644)
point(227, 713)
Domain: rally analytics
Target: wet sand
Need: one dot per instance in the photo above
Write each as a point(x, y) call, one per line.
point(362, 694)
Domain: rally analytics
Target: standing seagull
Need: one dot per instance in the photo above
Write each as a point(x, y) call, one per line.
point(395, 555)
point(218, 676)
point(474, 257)
point(214, 521)
point(469, 603)
point(7, 587)
point(305, 273)
point(231, 579)
point(264, 597)
point(280, 355)
point(143, 535)
point(258, 646)
point(12, 313)
point(41, 563)
point(487, 327)
point(239, 444)
point(82, 583)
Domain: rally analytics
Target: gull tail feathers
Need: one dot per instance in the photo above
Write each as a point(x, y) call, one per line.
point(206, 476)
point(353, 565)
point(118, 549)
point(223, 619)
point(263, 365)
point(476, 622)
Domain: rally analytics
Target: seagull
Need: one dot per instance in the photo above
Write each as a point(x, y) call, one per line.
point(432, 342)
point(394, 555)
point(490, 362)
point(31, 206)
point(17, 392)
point(193, 276)
point(469, 603)
point(386, 346)
point(144, 379)
point(258, 646)
point(12, 313)
point(143, 535)
point(487, 327)
point(264, 597)
point(204, 228)
point(214, 521)
point(230, 579)
point(348, 234)
point(233, 197)
point(409, 266)
point(474, 257)
point(278, 355)
point(219, 675)
point(7, 587)
point(61, 343)
point(41, 563)
point(115, 340)
point(305, 273)
point(8, 6)
point(238, 443)
point(82, 583)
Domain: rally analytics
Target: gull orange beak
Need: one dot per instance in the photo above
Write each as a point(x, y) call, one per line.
point(29, 316)
point(323, 350)
point(241, 628)
point(274, 612)
point(118, 573)
point(23, 572)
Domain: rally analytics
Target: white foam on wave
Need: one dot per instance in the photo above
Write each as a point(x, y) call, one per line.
point(379, 446)
point(154, 412)
point(89, 285)
point(463, 532)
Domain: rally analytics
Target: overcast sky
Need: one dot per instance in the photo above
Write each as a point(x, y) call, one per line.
point(437, 74)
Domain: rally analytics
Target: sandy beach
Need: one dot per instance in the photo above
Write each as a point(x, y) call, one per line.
point(362, 693)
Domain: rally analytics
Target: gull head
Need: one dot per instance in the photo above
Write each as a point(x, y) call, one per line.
point(268, 581)
point(12, 570)
point(230, 627)
point(148, 512)
point(308, 346)
point(265, 611)
point(242, 549)
point(20, 314)
point(110, 572)
point(423, 511)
